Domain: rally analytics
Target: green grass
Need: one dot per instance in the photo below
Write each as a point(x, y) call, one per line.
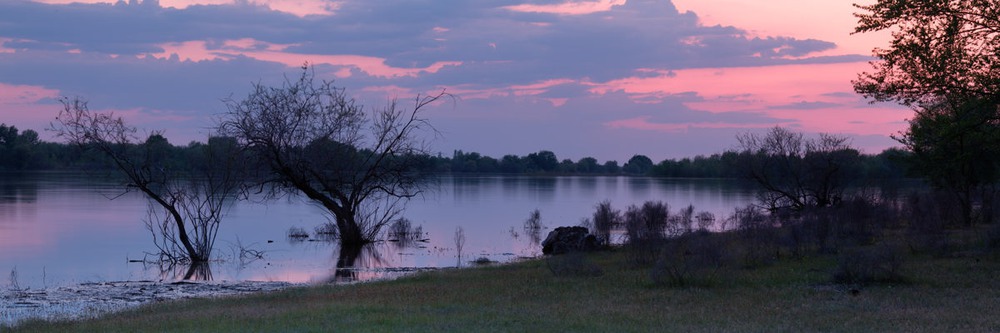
point(940, 295)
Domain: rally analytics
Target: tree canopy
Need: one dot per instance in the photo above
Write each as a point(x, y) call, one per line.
point(939, 49)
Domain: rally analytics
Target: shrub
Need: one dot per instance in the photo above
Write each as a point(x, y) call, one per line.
point(869, 264)
point(403, 233)
point(605, 219)
point(533, 226)
point(645, 230)
point(927, 217)
point(326, 232)
point(690, 259)
point(758, 235)
point(297, 234)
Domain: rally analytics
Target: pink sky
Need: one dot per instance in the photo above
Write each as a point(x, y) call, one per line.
point(604, 78)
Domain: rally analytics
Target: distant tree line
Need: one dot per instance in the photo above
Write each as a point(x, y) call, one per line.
point(890, 164)
point(23, 150)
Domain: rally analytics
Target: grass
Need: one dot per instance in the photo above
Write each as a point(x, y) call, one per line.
point(940, 295)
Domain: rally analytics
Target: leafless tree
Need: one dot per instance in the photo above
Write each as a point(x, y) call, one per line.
point(185, 208)
point(312, 138)
point(796, 172)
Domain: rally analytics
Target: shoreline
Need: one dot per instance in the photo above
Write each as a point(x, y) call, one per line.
point(89, 300)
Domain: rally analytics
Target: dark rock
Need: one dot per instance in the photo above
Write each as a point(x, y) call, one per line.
point(569, 239)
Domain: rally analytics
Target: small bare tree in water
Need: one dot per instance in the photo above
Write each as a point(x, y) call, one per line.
point(312, 138)
point(186, 206)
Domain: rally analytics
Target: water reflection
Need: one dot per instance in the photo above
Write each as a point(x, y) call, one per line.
point(68, 230)
point(357, 263)
point(17, 188)
point(176, 271)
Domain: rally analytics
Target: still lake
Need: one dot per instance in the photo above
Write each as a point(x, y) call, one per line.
point(69, 228)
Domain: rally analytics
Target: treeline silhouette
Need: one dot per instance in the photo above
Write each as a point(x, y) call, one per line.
point(23, 150)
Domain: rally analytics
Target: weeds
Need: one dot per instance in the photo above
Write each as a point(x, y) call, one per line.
point(404, 233)
point(297, 234)
point(15, 286)
point(459, 242)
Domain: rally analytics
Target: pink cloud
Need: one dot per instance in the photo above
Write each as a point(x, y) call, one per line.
point(824, 20)
point(299, 8)
point(569, 7)
point(524, 90)
point(375, 66)
point(25, 107)
point(23, 94)
point(818, 98)
point(644, 123)
point(5, 49)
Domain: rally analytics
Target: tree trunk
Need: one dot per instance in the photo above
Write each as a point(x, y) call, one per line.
point(351, 235)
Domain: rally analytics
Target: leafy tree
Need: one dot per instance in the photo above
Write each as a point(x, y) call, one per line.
point(314, 139)
point(612, 167)
point(567, 166)
point(944, 62)
point(957, 149)
point(939, 48)
point(588, 165)
point(17, 149)
point(638, 165)
point(543, 161)
point(512, 164)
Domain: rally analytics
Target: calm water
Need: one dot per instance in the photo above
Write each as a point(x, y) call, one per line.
point(63, 228)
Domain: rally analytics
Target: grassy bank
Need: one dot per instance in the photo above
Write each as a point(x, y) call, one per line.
point(940, 294)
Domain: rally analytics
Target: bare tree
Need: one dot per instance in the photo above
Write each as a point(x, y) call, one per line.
point(796, 172)
point(185, 208)
point(314, 139)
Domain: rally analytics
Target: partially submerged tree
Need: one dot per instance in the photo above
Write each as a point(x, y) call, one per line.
point(796, 172)
point(187, 204)
point(312, 138)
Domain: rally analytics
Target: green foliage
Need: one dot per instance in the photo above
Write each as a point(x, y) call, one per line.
point(957, 148)
point(19, 151)
point(939, 48)
point(638, 165)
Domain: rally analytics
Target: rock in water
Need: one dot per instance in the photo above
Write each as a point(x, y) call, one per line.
point(569, 239)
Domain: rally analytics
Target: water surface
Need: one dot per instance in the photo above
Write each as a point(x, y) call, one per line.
point(69, 228)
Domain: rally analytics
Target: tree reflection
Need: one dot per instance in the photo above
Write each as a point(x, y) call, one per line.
point(177, 271)
point(354, 261)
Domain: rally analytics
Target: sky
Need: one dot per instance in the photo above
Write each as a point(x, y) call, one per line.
point(598, 78)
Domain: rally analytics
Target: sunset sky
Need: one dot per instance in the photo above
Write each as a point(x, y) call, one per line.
point(605, 78)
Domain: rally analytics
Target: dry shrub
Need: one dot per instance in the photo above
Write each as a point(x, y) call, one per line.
point(604, 220)
point(869, 264)
point(692, 259)
point(758, 234)
point(646, 230)
point(297, 234)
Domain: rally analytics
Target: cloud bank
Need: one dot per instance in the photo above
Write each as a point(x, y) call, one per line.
point(603, 78)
